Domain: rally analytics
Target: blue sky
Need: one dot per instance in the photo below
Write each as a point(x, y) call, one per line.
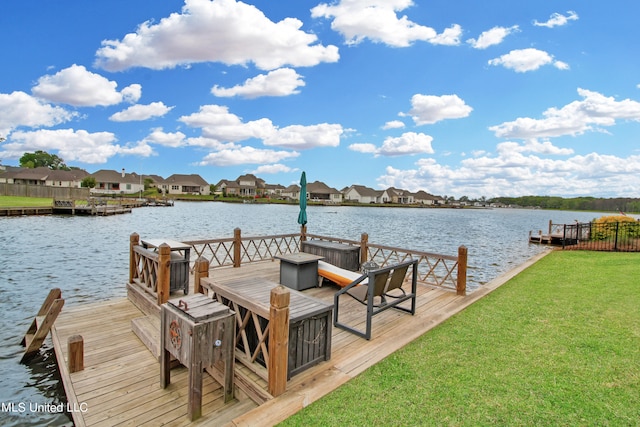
point(457, 98)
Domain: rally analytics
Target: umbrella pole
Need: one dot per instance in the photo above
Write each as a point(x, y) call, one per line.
point(303, 233)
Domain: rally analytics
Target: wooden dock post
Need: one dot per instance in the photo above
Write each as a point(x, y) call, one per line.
point(134, 240)
point(75, 353)
point(461, 283)
point(364, 248)
point(237, 246)
point(200, 270)
point(164, 271)
point(278, 340)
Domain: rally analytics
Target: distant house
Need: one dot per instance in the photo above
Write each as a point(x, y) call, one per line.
point(424, 198)
point(230, 188)
point(186, 184)
point(244, 186)
point(393, 195)
point(362, 194)
point(43, 176)
point(292, 192)
point(319, 191)
point(114, 182)
point(274, 189)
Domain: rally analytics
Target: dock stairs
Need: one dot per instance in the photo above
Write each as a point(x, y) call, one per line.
point(42, 323)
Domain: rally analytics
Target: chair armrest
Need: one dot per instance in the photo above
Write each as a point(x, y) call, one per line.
point(352, 284)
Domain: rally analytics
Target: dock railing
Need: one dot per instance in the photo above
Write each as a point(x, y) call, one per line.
point(149, 271)
point(620, 236)
point(442, 271)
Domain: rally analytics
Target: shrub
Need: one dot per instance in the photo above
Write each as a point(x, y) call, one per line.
point(606, 227)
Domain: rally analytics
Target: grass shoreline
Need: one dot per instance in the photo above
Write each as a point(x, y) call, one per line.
point(557, 344)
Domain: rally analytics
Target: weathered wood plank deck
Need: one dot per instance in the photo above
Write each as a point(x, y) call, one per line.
point(121, 380)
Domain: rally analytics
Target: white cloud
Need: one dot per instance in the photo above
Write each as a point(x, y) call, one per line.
point(226, 31)
point(409, 143)
point(377, 20)
point(246, 155)
point(273, 169)
point(429, 109)
point(530, 59)
point(167, 139)
point(511, 173)
point(492, 37)
point(280, 82)
point(557, 20)
point(393, 124)
point(211, 143)
point(533, 146)
point(141, 112)
point(71, 145)
point(220, 125)
point(81, 88)
point(20, 109)
point(591, 113)
point(364, 148)
point(217, 123)
point(449, 37)
point(132, 93)
point(305, 137)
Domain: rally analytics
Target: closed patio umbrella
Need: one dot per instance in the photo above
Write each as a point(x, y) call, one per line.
point(302, 216)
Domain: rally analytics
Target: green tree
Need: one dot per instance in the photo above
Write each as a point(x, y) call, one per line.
point(88, 181)
point(42, 159)
point(148, 182)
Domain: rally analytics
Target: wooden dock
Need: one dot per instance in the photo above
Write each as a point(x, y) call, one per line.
point(71, 207)
point(26, 210)
point(120, 383)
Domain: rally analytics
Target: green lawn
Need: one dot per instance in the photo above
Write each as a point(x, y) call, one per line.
point(558, 345)
point(14, 201)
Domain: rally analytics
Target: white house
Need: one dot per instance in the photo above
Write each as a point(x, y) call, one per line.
point(362, 194)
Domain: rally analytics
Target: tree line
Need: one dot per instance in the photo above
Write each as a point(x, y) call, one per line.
point(618, 204)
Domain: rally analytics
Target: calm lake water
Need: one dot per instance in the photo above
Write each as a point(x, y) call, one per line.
point(87, 257)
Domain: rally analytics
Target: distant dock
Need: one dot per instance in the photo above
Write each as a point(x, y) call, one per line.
point(91, 207)
point(70, 207)
point(26, 210)
point(560, 234)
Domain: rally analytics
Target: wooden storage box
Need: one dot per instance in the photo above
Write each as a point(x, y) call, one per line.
point(179, 273)
point(309, 340)
point(198, 332)
point(339, 254)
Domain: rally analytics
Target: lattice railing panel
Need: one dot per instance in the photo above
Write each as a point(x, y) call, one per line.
point(217, 252)
point(435, 270)
point(264, 248)
point(146, 269)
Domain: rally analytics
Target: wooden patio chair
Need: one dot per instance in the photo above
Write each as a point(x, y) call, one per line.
point(384, 290)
